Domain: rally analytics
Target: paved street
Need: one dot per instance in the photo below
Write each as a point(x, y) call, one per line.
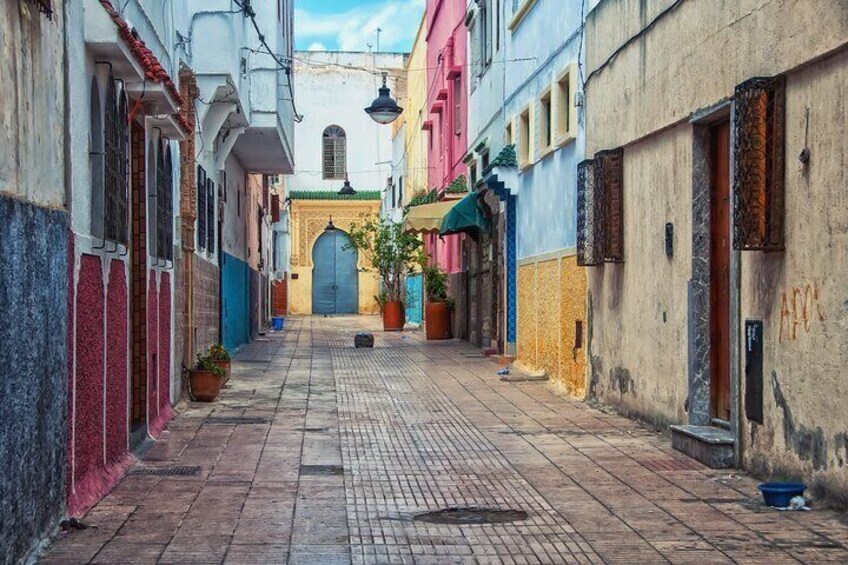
point(321, 453)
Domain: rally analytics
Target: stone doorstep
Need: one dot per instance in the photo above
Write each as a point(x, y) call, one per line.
point(711, 445)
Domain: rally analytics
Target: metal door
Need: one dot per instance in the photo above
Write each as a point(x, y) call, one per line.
point(414, 298)
point(335, 279)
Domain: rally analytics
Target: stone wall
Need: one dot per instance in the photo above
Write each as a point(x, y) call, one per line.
point(179, 344)
point(206, 304)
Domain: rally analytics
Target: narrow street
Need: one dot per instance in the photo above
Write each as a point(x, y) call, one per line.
point(321, 453)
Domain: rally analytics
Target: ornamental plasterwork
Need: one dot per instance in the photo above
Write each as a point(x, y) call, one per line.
point(311, 220)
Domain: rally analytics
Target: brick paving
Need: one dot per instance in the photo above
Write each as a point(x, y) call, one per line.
point(317, 452)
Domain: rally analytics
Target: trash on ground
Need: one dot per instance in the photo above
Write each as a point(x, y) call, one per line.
point(504, 371)
point(797, 503)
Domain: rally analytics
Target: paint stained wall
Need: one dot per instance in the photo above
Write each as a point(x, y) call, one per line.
point(33, 388)
point(117, 353)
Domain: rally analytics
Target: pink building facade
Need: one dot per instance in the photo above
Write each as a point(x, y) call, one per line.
point(447, 113)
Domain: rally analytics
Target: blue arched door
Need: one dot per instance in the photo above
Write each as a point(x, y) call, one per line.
point(335, 280)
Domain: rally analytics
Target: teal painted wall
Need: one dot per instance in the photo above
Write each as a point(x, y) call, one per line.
point(235, 294)
point(414, 298)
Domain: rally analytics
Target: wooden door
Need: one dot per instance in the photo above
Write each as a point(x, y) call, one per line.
point(720, 271)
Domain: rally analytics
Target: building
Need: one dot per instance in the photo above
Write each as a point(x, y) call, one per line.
point(338, 143)
point(712, 225)
point(35, 260)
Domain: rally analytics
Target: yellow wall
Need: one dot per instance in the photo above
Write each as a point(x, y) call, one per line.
point(551, 298)
point(415, 176)
point(308, 220)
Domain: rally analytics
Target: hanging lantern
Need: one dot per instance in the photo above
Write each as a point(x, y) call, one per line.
point(347, 189)
point(384, 110)
point(330, 225)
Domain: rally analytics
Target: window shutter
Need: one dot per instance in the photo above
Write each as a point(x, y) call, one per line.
point(210, 215)
point(201, 207)
point(275, 207)
point(589, 220)
point(759, 164)
point(608, 175)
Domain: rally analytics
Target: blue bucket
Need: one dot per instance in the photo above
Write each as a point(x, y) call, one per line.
point(278, 323)
point(779, 494)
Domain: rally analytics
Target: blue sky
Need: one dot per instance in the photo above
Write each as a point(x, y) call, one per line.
point(351, 24)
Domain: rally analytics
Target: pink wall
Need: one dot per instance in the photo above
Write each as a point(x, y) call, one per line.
point(165, 347)
point(117, 354)
point(153, 423)
point(446, 64)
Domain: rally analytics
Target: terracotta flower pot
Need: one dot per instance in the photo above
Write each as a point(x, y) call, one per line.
point(437, 321)
point(226, 365)
point(204, 386)
point(394, 316)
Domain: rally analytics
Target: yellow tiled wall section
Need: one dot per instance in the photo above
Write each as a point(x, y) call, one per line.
point(572, 309)
point(547, 316)
point(526, 339)
point(551, 299)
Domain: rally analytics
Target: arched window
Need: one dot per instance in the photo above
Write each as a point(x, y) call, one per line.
point(164, 202)
point(95, 159)
point(334, 142)
point(116, 156)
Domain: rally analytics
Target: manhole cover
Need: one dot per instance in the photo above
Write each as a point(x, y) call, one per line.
point(176, 471)
point(321, 470)
point(230, 420)
point(465, 516)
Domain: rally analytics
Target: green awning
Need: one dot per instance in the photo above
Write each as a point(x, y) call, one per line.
point(465, 217)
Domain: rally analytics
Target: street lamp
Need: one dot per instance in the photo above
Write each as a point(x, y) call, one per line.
point(384, 110)
point(346, 188)
point(330, 225)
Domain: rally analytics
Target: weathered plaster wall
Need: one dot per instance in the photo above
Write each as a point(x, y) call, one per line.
point(801, 295)
point(206, 303)
point(415, 144)
point(33, 351)
point(164, 400)
point(551, 299)
point(693, 57)
point(638, 309)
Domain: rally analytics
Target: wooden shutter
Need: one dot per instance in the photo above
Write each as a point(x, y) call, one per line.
point(610, 183)
point(275, 207)
point(201, 207)
point(759, 164)
point(589, 217)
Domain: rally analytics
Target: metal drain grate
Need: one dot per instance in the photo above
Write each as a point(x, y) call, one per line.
point(175, 471)
point(321, 470)
point(231, 420)
point(471, 516)
point(311, 429)
point(671, 464)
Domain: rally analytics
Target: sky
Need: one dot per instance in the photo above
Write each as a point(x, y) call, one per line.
point(350, 25)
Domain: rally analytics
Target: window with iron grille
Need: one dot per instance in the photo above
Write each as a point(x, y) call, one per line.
point(164, 202)
point(759, 164)
point(116, 157)
point(334, 148)
point(600, 209)
point(201, 207)
point(210, 215)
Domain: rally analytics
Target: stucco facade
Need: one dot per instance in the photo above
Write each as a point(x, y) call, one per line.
point(649, 351)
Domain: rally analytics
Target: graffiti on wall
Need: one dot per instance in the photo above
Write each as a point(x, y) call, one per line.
point(800, 310)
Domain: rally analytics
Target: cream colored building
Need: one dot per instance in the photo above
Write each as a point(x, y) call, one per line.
point(719, 296)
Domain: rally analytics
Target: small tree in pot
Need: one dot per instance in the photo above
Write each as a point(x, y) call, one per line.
point(393, 254)
point(205, 379)
point(439, 308)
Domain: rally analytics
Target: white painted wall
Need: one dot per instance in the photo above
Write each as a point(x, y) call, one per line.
point(334, 88)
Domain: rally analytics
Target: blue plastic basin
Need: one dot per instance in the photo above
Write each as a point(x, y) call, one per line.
point(278, 323)
point(779, 494)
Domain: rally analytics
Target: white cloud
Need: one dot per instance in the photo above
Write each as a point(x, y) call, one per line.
point(354, 29)
point(316, 46)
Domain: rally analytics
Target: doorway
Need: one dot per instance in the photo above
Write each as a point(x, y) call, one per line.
point(719, 265)
point(335, 278)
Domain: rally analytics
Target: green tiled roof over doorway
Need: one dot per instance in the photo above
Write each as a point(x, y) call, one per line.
point(331, 195)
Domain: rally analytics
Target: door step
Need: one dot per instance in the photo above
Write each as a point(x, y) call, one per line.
point(719, 423)
point(711, 445)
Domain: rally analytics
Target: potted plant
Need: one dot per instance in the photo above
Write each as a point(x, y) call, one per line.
point(438, 310)
point(205, 380)
point(392, 254)
point(221, 357)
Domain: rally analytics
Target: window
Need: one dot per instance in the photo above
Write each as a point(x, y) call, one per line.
point(600, 209)
point(566, 111)
point(545, 125)
point(508, 135)
point(95, 160)
point(400, 191)
point(164, 202)
point(485, 35)
point(476, 58)
point(472, 173)
point(520, 9)
point(457, 106)
point(484, 160)
point(201, 207)
point(759, 164)
point(525, 151)
point(116, 156)
point(334, 142)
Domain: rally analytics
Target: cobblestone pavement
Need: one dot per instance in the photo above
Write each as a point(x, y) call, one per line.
point(321, 453)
